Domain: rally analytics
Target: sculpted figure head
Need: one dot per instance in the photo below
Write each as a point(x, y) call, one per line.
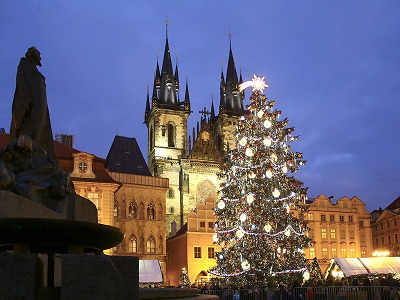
point(33, 55)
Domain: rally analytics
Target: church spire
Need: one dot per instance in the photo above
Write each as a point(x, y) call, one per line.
point(231, 99)
point(147, 111)
point(186, 103)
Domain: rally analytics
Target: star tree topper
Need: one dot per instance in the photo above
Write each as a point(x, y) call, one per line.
point(258, 84)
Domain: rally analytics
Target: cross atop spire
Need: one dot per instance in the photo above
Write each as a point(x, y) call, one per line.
point(205, 112)
point(166, 26)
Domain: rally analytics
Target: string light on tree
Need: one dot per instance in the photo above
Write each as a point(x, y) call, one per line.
point(259, 231)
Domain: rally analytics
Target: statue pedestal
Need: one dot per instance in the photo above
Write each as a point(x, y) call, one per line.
point(45, 255)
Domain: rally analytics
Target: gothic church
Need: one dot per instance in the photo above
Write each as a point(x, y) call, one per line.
point(190, 162)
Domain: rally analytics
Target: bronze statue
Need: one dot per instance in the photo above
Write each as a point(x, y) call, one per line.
point(30, 113)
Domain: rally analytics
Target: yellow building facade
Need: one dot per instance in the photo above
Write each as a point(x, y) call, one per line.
point(341, 229)
point(193, 247)
point(386, 230)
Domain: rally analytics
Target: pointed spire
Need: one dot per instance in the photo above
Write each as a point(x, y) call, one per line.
point(157, 75)
point(212, 107)
point(187, 97)
point(147, 110)
point(176, 75)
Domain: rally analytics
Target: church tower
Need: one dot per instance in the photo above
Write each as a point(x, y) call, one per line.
point(166, 119)
point(230, 106)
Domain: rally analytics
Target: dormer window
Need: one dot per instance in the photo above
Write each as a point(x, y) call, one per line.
point(83, 165)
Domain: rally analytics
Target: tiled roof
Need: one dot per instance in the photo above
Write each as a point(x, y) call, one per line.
point(66, 161)
point(125, 157)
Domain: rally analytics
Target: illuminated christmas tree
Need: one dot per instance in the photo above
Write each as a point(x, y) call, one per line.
point(259, 226)
point(184, 280)
point(315, 270)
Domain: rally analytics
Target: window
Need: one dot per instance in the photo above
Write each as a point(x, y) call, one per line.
point(312, 253)
point(361, 224)
point(132, 210)
point(342, 234)
point(150, 211)
point(387, 224)
point(203, 224)
point(341, 218)
point(323, 218)
point(332, 218)
point(376, 242)
point(333, 251)
point(132, 244)
point(171, 210)
point(362, 239)
point(115, 208)
point(211, 225)
point(324, 253)
point(350, 219)
point(396, 238)
point(381, 225)
point(343, 252)
point(363, 253)
point(333, 233)
point(151, 245)
point(351, 234)
point(352, 253)
point(311, 233)
point(395, 222)
point(170, 193)
point(323, 233)
point(382, 241)
point(310, 217)
point(211, 252)
point(389, 240)
point(171, 135)
point(94, 197)
point(197, 252)
point(163, 130)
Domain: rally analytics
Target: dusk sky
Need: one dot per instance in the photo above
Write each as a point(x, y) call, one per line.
point(333, 68)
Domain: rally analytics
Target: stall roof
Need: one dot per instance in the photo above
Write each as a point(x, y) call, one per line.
point(150, 271)
point(367, 265)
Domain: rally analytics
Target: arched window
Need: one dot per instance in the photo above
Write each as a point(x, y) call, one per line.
point(172, 210)
point(116, 208)
point(160, 245)
point(150, 211)
point(132, 244)
point(171, 135)
point(170, 193)
point(151, 139)
point(132, 210)
point(123, 209)
point(151, 245)
point(160, 211)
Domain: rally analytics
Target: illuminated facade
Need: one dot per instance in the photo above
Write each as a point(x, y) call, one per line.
point(386, 229)
point(192, 247)
point(339, 230)
point(189, 162)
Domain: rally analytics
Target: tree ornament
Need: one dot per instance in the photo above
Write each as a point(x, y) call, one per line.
point(268, 174)
point(284, 169)
point(250, 198)
point(249, 152)
point(245, 265)
point(260, 114)
point(276, 193)
point(243, 141)
point(252, 175)
point(287, 232)
point(215, 238)
point(243, 217)
point(221, 204)
point(267, 124)
point(240, 233)
point(268, 228)
point(274, 158)
point(267, 142)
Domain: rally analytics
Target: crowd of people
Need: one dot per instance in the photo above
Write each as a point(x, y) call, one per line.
point(357, 288)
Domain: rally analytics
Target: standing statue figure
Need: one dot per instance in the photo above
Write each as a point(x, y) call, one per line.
point(30, 113)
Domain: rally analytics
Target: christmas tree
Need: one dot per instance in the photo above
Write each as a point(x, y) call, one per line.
point(260, 226)
point(315, 270)
point(184, 280)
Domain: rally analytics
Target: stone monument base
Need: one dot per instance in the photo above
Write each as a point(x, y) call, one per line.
point(83, 277)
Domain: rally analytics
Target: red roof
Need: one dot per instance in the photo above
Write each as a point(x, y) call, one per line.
point(66, 161)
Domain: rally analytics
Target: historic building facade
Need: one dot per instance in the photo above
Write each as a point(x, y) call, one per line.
point(192, 247)
point(191, 163)
point(386, 229)
point(341, 229)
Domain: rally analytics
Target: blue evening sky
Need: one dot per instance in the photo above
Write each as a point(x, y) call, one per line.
point(333, 68)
